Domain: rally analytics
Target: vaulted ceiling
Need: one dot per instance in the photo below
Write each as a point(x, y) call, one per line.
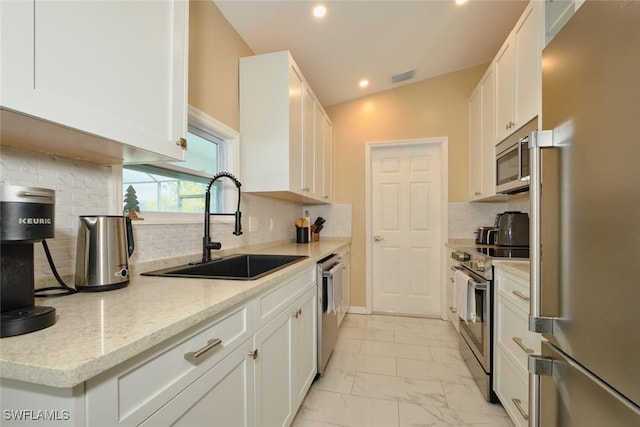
point(374, 39)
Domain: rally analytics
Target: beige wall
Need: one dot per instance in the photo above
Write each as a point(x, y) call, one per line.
point(430, 108)
point(434, 107)
point(214, 50)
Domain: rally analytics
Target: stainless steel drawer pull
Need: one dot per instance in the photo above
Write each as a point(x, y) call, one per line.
point(518, 404)
point(195, 357)
point(520, 295)
point(518, 341)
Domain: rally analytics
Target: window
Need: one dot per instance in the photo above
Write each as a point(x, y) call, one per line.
point(179, 187)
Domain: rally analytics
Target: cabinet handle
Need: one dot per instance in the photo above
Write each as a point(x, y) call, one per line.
point(254, 354)
point(297, 313)
point(194, 357)
point(182, 142)
point(524, 348)
point(520, 295)
point(518, 404)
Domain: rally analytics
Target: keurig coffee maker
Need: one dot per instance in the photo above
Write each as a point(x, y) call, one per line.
point(26, 217)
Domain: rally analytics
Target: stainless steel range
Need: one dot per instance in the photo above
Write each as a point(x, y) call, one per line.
point(476, 342)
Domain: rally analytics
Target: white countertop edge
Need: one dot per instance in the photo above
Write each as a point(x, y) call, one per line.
point(61, 357)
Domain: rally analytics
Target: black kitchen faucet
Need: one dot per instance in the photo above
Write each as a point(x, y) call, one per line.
point(207, 244)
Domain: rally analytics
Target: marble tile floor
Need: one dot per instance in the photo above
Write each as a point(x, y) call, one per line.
point(392, 371)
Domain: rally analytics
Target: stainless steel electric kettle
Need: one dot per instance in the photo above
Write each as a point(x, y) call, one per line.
point(105, 244)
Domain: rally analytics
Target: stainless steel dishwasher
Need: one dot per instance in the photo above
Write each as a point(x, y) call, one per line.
point(329, 279)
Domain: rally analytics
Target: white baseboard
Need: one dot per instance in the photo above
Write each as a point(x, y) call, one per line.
point(357, 310)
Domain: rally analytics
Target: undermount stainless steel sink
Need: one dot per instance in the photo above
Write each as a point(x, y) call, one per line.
point(234, 267)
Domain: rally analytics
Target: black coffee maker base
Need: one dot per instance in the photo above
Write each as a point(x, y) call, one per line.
point(26, 320)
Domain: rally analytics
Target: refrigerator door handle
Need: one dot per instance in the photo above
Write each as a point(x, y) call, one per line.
point(538, 366)
point(537, 141)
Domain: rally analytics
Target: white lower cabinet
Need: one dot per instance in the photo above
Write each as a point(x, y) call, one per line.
point(451, 311)
point(286, 361)
point(345, 259)
point(513, 344)
point(133, 391)
point(222, 396)
point(249, 366)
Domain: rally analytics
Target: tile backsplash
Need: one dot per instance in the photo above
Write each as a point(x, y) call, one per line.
point(84, 188)
point(466, 217)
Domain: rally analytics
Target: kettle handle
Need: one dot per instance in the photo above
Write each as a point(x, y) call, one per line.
point(130, 241)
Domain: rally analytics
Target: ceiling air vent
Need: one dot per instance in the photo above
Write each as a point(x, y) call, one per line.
point(399, 77)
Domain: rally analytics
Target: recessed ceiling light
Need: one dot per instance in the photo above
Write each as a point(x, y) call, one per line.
point(319, 11)
point(363, 83)
point(461, 1)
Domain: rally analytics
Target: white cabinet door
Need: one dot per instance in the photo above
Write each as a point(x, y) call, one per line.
point(482, 138)
point(488, 133)
point(518, 79)
point(308, 143)
point(345, 259)
point(318, 152)
point(222, 396)
point(286, 361)
point(296, 115)
point(305, 345)
point(505, 90)
point(475, 144)
point(116, 70)
point(328, 160)
point(274, 371)
point(528, 39)
point(281, 127)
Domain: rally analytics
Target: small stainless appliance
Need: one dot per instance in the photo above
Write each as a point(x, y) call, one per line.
point(26, 216)
point(329, 278)
point(512, 160)
point(513, 229)
point(104, 245)
point(486, 235)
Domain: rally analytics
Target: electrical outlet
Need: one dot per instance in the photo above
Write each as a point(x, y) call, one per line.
point(253, 224)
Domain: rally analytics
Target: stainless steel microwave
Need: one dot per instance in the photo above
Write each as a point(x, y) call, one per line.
point(512, 160)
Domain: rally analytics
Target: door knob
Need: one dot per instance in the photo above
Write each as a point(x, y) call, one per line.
point(378, 238)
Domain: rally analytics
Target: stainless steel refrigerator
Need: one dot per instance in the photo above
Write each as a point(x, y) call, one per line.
point(585, 233)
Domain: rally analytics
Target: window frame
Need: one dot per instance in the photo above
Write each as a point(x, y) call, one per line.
point(229, 161)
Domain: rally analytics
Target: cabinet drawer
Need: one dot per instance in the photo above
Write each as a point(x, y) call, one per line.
point(513, 335)
point(129, 393)
point(514, 289)
point(269, 304)
point(512, 387)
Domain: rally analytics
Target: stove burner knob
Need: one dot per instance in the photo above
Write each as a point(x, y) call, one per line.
point(460, 256)
point(477, 264)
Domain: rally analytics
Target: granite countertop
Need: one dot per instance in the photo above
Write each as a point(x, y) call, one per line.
point(97, 331)
point(518, 268)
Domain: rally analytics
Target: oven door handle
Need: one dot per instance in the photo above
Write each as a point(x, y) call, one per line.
point(478, 286)
point(481, 286)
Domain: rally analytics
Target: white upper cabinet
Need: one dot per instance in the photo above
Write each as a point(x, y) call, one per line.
point(114, 70)
point(482, 138)
point(518, 78)
point(327, 182)
point(282, 126)
point(556, 14)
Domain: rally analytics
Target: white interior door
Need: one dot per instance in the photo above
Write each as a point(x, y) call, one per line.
point(406, 198)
